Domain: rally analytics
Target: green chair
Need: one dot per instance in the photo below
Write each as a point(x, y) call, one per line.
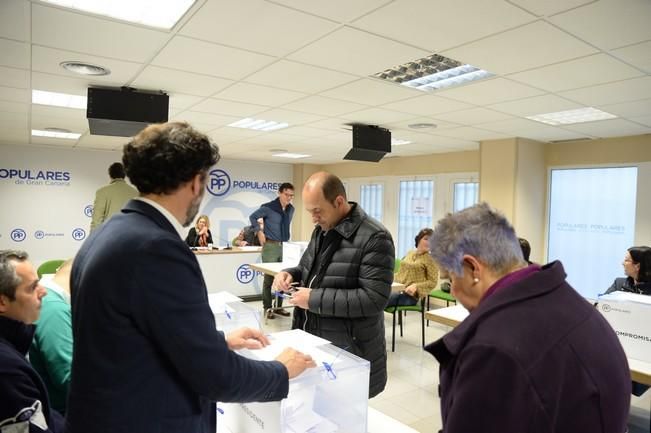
point(442, 295)
point(49, 267)
point(396, 266)
point(420, 307)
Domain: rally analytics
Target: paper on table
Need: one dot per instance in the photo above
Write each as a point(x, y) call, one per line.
point(297, 339)
point(249, 248)
point(218, 301)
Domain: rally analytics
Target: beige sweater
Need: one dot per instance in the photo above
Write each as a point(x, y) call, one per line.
point(418, 269)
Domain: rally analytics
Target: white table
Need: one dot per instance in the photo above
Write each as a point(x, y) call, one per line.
point(229, 270)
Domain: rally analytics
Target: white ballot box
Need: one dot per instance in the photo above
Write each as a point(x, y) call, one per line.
point(293, 251)
point(630, 316)
point(332, 397)
point(230, 316)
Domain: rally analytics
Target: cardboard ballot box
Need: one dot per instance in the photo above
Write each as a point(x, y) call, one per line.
point(630, 316)
point(332, 397)
point(293, 251)
point(233, 315)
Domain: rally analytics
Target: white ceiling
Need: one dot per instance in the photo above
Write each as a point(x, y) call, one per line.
point(308, 63)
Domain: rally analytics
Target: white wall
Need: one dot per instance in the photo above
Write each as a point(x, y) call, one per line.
point(49, 211)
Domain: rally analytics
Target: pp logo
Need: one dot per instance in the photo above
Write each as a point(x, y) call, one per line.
point(78, 234)
point(18, 235)
point(605, 308)
point(88, 210)
point(244, 274)
point(39, 234)
point(219, 182)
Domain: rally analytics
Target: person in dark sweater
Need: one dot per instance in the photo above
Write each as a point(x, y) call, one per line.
point(24, 402)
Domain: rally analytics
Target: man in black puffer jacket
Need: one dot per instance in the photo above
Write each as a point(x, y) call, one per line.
point(344, 276)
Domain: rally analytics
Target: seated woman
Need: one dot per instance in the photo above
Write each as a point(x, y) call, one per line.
point(199, 235)
point(637, 268)
point(417, 272)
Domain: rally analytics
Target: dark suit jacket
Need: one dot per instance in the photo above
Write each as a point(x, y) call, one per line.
point(193, 238)
point(533, 357)
point(147, 355)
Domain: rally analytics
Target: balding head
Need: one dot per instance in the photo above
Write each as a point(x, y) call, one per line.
point(325, 199)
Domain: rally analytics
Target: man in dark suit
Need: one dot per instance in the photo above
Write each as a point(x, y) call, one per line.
point(147, 355)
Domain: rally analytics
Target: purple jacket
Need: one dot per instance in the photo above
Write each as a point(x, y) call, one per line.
point(534, 357)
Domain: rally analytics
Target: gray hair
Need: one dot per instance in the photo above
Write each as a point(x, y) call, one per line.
point(479, 231)
point(9, 280)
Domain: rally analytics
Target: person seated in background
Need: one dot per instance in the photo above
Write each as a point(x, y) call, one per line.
point(637, 268)
point(526, 249)
point(24, 401)
point(200, 235)
point(51, 350)
point(418, 272)
point(246, 237)
point(501, 370)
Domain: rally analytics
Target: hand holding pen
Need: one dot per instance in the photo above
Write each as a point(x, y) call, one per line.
point(283, 281)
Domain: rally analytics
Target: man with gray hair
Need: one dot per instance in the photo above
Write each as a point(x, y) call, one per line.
point(24, 403)
point(533, 355)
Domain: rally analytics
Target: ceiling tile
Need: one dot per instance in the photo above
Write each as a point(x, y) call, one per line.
point(611, 93)
point(207, 119)
point(14, 54)
point(288, 116)
point(331, 125)
point(15, 95)
point(13, 120)
point(182, 102)
point(369, 91)
point(435, 25)
point(473, 134)
point(299, 77)
point(324, 106)
point(529, 129)
point(473, 116)
point(438, 124)
point(587, 71)
point(490, 91)
point(377, 116)
point(12, 77)
point(102, 142)
point(14, 19)
point(256, 25)
point(337, 10)
point(356, 52)
point(57, 142)
point(535, 105)
point(156, 78)
point(534, 45)
point(258, 94)
point(211, 59)
point(644, 120)
point(628, 22)
point(47, 60)
point(638, 55)
point(609, 128)
point(67, 114)
point(629, 109)
point(14, 107)
point(93, 35)
point(221, 106)
point(235, 134)
point(426, 105)
point(59, 83)
point(549, 7)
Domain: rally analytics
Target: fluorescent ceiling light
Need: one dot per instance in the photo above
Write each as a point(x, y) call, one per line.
point(433, 72)
point(290, 155)
point(58, 99)
point(258, 124)
point(399, 142)
point(162, 14)
point(55, 134)
point(569, 117)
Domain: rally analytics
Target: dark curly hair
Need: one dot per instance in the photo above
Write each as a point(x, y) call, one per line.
point(421, 234)
point(642, 256)
point(164, 156)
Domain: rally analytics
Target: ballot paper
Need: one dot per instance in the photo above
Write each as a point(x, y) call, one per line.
point(219, 300)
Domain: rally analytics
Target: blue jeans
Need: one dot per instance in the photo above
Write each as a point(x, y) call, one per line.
point(401, 299)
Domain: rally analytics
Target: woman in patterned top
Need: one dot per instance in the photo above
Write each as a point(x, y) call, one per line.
point(418, 272)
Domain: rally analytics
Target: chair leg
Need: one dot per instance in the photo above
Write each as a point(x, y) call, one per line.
point(422, 326)
point(393, 333)
point(400, 321)
point(428, 310)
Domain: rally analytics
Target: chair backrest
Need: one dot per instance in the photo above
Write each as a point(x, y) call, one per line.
point(49, 267)
point(396, 266)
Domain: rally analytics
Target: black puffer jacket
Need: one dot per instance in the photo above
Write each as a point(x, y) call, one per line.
point(351, 282)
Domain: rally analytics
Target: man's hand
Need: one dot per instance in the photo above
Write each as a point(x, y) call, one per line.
point(246, 338)
point(295, 361)
point(262, 238)
point(282, 281)
point(243, 244)
point(411, 290)
point(301, 297)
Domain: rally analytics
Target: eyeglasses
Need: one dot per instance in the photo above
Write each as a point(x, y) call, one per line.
point(628, 260)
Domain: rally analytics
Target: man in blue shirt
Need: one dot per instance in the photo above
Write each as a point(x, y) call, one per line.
point(276, 216)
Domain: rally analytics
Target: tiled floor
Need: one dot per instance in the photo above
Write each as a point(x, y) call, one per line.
point(411, 396)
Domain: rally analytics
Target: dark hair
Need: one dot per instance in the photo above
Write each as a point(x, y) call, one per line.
point(116, 170)
point(421, 234)
point(332, 188)
point(163, 156)
point(284, 186)
point(9, 280)
point(526, 249)
point(642, 256)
